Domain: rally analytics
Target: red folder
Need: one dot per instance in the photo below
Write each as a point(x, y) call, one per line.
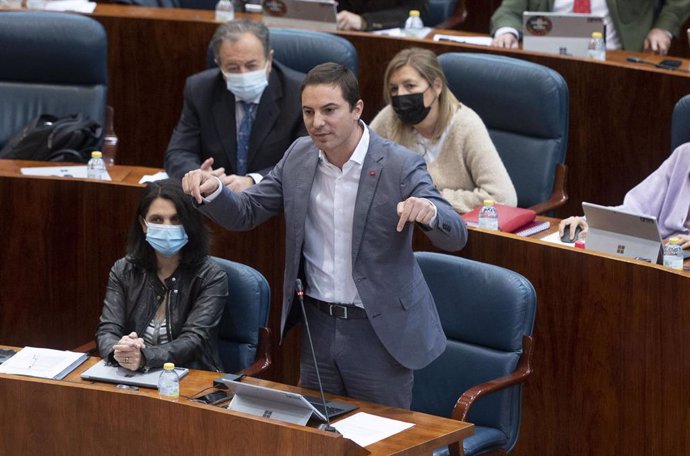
point(510, 219)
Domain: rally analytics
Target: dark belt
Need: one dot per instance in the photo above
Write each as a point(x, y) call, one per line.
point(342, 311)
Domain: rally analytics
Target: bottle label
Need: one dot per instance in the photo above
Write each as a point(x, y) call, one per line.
point(673, 262)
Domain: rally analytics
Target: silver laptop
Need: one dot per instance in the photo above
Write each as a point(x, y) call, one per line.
point(102, 372)
point(623, 233)
point(281, 405)
point(311, 14)
point(560, 33)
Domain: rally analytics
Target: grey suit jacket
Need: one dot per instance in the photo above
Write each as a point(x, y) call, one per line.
point(207, 124)
point(396, 297)
point(633, 18)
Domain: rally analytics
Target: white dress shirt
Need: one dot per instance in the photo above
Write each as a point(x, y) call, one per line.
point(328, 228)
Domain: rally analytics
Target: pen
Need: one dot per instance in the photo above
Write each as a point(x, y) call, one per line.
point(33, 360)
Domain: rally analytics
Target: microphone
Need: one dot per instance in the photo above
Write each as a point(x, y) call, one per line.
point(300, 295)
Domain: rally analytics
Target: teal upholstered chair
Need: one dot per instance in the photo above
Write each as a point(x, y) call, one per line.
point(525, 108)
point(487, 313)
point(243, 338)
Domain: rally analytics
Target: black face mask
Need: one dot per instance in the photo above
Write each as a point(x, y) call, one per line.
point(410, 108)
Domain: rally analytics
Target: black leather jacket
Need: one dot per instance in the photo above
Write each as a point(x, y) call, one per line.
point(195, 306)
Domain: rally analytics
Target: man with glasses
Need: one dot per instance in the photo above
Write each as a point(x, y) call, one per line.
point(237, 119)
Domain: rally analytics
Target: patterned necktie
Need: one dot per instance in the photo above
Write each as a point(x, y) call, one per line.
point(582, 6)
point(243, 134)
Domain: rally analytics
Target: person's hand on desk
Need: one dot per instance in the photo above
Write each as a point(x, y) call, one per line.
point(350, 21)
point(658, 41)
point(506, 40)
point(684, 239)
point(127, 351)
point(572, 223)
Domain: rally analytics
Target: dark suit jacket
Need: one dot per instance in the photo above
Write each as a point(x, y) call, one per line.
point(382, 14)
point(207, 124)
point(390, 283)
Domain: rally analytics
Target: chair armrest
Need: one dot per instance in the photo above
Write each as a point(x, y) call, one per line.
point(88, 347)
point(522, 372)
point(559, 195)
point(263, 355)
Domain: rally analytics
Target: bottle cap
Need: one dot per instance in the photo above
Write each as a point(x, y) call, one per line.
point(674, 240)
point(597, 35)
point(169, 366)
point(96, 154)
point(414, 13)
point(579, 244)
point(488, 202)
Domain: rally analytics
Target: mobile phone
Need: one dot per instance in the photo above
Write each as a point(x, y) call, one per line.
point(213, 398)
point(670, 63)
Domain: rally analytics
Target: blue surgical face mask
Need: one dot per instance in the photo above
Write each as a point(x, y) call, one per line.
point(167, 240)
point(247, 86)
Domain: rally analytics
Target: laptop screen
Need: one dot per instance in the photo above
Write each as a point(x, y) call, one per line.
point(619, 232)
point(560, 33)
point(318, 15)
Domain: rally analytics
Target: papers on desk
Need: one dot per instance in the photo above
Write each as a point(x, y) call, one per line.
point(153, 177)
point(78, 172)
point(365, 429)
point(80, 6)
point(555, 238)
point(43, 363)
point(478, 40)
point(399, 33)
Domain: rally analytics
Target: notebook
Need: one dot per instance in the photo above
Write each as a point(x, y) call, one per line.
point(510, 218)
point(282, 405)
point(43, 363)
point(560, 33)
point(102, 372)
point(311, 14)
point(618, 232)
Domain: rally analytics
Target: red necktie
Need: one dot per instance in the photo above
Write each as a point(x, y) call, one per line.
point(582, 6)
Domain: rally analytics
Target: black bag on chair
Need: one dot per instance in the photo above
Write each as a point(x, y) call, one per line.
point(49, 138)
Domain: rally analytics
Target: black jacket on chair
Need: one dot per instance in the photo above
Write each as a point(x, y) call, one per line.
point(196, 300)
point(382, 14)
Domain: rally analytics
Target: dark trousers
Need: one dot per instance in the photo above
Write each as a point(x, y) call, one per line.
point(352, 361)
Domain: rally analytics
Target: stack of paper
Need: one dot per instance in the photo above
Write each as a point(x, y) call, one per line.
point(43, 362)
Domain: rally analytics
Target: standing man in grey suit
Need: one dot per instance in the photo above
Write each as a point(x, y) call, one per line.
point(350, 200)
point(238, 118)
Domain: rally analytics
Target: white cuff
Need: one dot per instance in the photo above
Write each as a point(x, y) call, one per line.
point(212, 196)
point(504, 30)
point(256, 176)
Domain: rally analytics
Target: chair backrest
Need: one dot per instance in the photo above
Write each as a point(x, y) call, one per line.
point(438, 11)
point(680, 125)
point(246, 310)
point(52, 63)
point(525, 108)
point(485, 310)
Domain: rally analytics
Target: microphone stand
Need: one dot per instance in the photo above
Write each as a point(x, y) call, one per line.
point(300, 295)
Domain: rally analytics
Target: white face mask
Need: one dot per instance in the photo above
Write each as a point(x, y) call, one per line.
point(247, 86)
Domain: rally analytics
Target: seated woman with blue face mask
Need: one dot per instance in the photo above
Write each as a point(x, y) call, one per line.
point(165, 297)
point(424, 116)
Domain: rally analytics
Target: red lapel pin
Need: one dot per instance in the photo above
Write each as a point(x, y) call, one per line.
point(372, 172)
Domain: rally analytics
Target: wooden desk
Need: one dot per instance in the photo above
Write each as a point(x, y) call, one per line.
point(84, 418)
point(610, 335)
point(620, 113)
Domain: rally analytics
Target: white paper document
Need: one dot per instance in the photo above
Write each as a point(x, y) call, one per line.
point(80, 6)
point(153, 177)
point(398, 32)
point(555, 238)
point(478, 40)
point(78, 171)
point(43, 362)
point(365, 429)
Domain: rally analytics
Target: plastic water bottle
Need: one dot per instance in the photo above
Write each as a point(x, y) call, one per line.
point(169, 382)
point(597, 47)
point(673, 254)
point(488, 216)
point(413, 24)
point(95, 168)
point(225, 10)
